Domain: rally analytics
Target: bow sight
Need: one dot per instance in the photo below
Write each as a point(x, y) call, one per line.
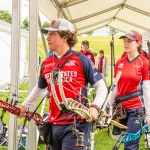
point(80, 137)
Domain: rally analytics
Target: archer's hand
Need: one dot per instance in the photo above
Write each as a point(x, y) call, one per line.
point(23, 111)
point(94, 114)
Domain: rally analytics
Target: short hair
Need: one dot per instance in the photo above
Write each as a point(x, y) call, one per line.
point(85, 42)
point(101, 51)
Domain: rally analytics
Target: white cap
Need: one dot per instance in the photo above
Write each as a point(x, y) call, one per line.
point(59, 24)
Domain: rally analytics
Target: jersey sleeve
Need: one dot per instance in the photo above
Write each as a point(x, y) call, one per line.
point(90, 72)
point(42, 82)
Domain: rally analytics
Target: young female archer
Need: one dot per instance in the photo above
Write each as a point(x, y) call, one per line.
point(133, 87)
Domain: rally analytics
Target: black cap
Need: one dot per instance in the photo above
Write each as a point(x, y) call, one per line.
point(85, 42)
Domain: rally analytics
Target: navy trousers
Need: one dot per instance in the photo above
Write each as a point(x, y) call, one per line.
point(62, 137)
point(133, 125)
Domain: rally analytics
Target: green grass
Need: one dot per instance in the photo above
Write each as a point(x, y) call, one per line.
point(102, 42)
point(96, 43)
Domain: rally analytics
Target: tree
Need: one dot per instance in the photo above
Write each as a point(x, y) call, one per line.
point(112, 31)
point(6, 16)
point(46, 24)
point(89, 33)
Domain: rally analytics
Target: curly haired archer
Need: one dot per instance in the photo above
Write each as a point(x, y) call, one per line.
point(71, 37)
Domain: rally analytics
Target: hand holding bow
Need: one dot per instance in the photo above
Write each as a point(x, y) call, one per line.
point(21, 112)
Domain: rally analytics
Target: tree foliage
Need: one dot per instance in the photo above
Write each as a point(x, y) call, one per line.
point(6, 16)
point(46, 24)
point(112, 31)
point(89, 33)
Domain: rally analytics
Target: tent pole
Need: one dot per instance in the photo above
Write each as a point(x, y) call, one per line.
point(14, 65)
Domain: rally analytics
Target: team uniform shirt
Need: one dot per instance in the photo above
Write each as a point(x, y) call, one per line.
point(89, 55)
point(77, 72)
point(133, 74)
point(124, 55)
point(144, 53)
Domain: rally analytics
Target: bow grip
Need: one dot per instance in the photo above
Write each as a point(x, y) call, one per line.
point(35, 116)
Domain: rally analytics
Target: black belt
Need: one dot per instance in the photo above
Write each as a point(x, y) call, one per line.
point(128, 96)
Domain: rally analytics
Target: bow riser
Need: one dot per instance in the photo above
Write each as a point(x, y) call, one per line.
point(79, 108)
point(35, 116)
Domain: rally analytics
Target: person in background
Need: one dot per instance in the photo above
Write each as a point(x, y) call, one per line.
point(132, 91)
point(85, 50)
point(77, 71)
point(102, 65)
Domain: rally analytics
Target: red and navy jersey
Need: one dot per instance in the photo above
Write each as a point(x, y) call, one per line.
point(89, 55)
point(77, 72)
point(133, 74)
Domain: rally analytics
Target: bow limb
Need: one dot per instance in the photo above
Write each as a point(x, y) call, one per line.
point(16, 111)
point(61, 90)
point(117, 124)
point(12, 109)
point(71, 104)
point(54, 93)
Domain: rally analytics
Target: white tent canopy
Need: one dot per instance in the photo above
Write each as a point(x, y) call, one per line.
point(89, 15)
